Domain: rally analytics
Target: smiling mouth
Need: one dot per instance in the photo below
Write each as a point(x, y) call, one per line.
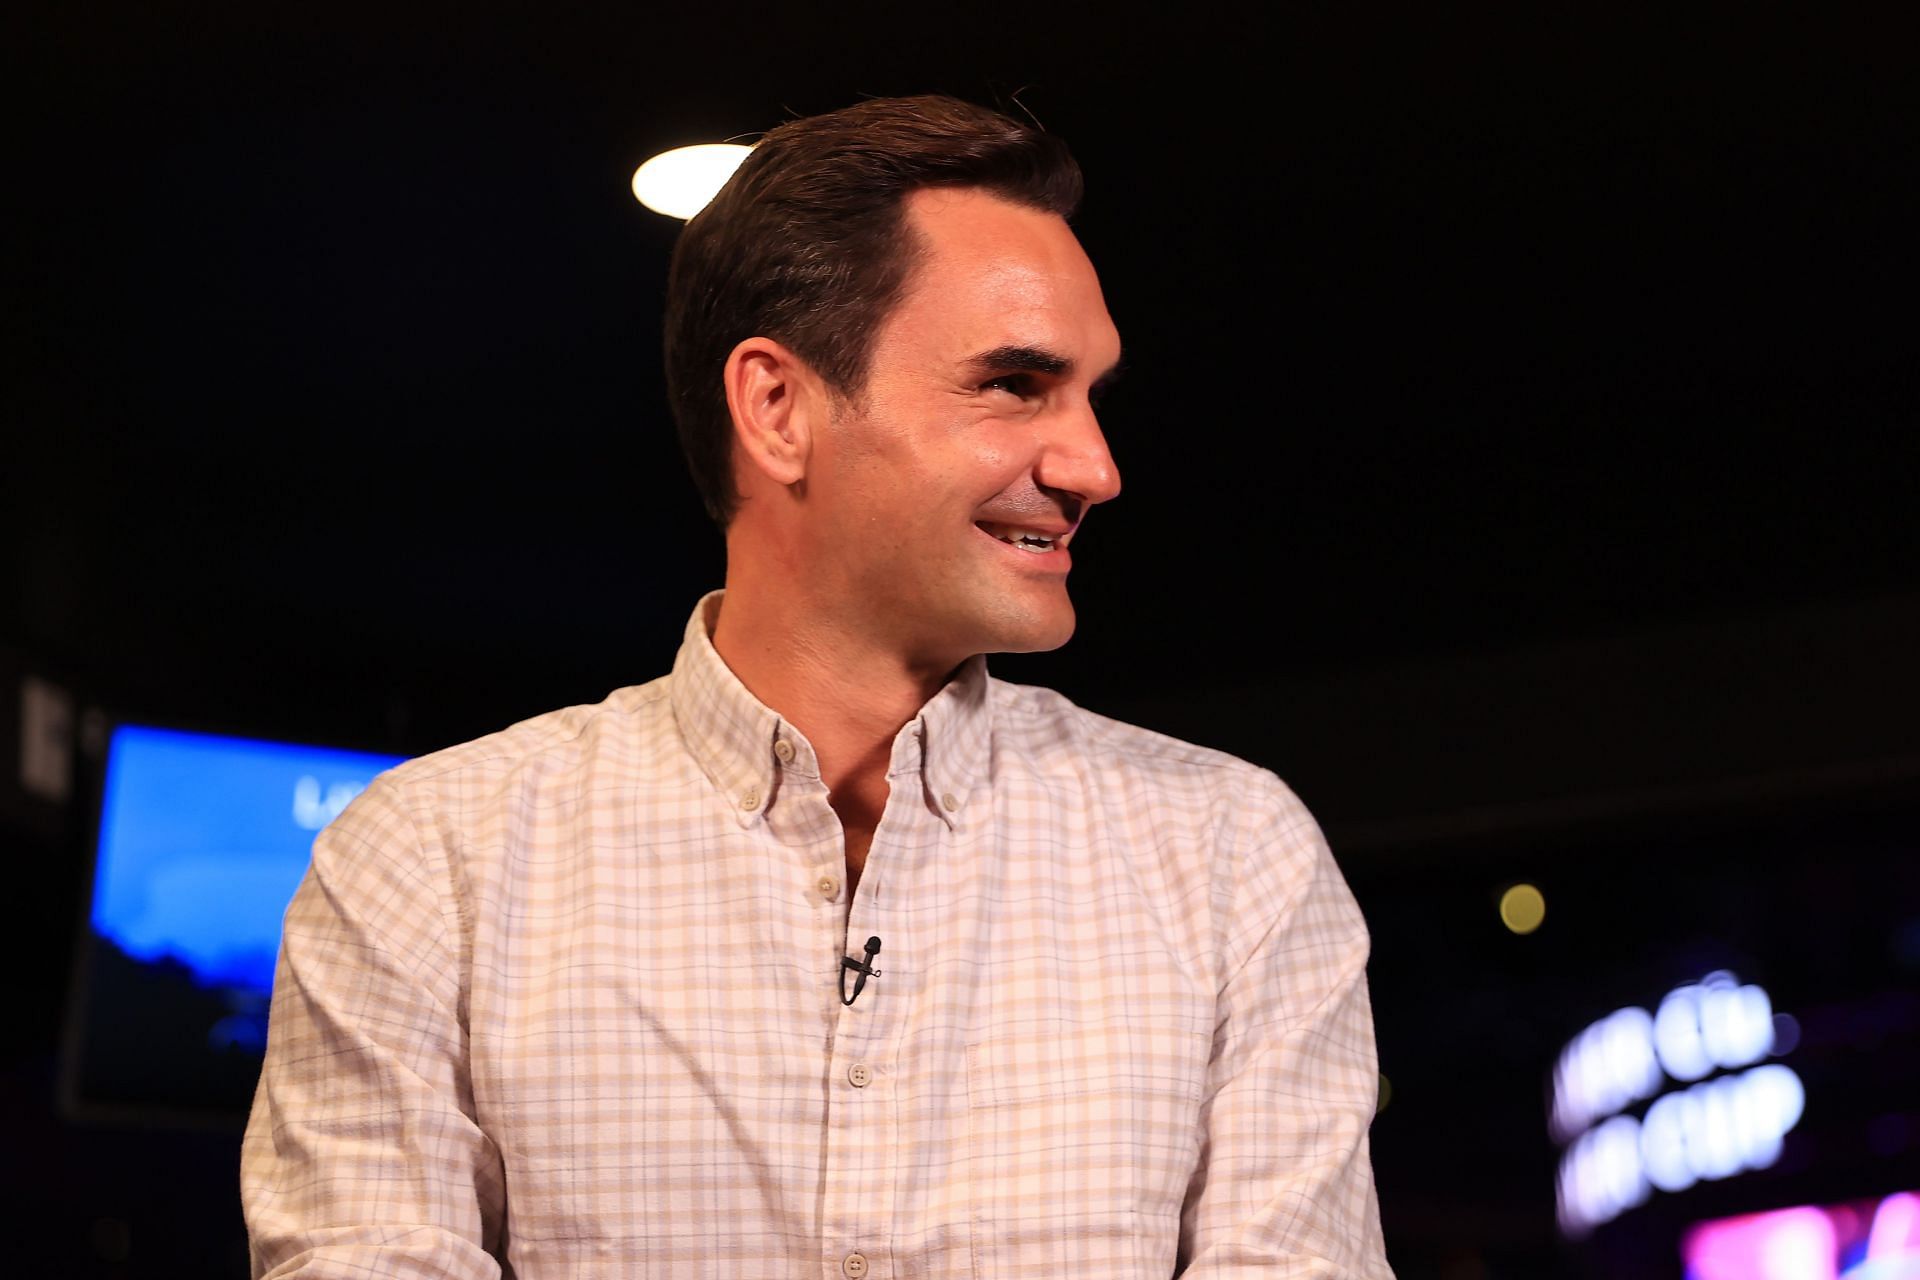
point(1029, 540)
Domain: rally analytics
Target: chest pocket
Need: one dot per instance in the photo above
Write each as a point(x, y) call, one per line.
point(1083, 1140)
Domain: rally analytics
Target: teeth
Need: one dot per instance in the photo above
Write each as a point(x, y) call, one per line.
point(1025, 539)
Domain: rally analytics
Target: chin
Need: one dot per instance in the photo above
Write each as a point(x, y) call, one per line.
point(1030, 631)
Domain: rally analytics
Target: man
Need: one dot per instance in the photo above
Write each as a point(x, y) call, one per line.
point(827, 954)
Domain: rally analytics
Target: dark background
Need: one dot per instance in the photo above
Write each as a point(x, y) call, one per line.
point(1515, 445)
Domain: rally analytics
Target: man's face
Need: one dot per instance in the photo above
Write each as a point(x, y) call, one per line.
point(976, 426)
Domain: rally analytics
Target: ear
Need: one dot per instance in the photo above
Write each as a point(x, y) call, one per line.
point(775, 399)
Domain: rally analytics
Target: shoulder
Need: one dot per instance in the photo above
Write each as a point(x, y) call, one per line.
point(1209, 826)
point(555, 735)
point(439, 820)
point(1176, 789)
point(1043, 723)
point(622, 734)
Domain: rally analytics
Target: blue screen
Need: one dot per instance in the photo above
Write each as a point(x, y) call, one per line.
point(203, 840)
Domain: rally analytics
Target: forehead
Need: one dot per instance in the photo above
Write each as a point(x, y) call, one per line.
point(993, 273)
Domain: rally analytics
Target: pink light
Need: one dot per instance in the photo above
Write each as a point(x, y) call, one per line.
point(1896, 1229)
point(1789, 1244)
point(1807, 1243)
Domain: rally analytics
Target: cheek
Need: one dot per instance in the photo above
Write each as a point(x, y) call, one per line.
point(920, 471)
point(1000, 451)
point(1003, 468)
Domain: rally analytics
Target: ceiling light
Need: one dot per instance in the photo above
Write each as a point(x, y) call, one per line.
point(679, 183)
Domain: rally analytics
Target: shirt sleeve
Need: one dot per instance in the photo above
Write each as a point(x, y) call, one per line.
point(1284, 1185)
point(362, 1157)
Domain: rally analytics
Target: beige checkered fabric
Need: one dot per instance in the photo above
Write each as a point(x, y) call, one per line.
point(564, 1002)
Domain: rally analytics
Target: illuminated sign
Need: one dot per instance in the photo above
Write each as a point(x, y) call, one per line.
point(1714, 1128)
point(1867, 1238)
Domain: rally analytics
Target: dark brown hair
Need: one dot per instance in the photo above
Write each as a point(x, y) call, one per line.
point(808, 244)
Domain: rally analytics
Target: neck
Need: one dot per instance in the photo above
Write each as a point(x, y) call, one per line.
point(828, 678)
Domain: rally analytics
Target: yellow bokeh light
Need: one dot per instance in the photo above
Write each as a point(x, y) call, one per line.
point(1522, 908)
point(679, 183)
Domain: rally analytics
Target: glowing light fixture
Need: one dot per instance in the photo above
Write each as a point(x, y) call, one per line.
point(1522, 908)
point(679, 183)
point(1715, 1126)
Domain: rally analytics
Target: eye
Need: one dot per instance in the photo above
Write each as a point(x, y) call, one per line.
point(1019, 384)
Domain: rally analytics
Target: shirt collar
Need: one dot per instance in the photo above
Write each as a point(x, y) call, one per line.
point(743, 745)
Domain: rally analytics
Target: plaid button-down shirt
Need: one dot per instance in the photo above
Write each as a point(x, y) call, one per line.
point(565, 1002)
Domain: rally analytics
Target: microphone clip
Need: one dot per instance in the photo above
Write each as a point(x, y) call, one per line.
point(862, 968)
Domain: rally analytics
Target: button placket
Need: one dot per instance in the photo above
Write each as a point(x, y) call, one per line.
point(864, 1127)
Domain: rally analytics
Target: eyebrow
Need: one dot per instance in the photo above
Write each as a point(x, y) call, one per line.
point(1036, 360)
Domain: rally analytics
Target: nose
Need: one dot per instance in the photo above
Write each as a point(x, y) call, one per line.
point(1074, 457)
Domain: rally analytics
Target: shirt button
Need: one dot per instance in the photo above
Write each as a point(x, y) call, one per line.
point(784, 750)
point(855, 1265)
point(948, 803)
point(859, 1076)
point(828, 886)
point(750, 801)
